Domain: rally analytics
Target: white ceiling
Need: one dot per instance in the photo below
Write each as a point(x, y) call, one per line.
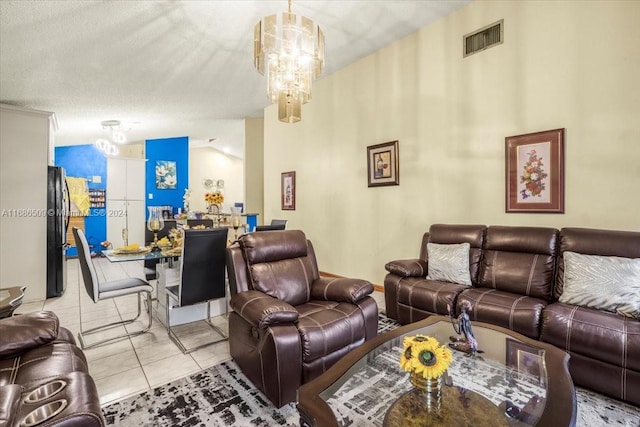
point(172, 68)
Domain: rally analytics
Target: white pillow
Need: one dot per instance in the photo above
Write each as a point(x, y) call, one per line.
point(449, 263)
point(603, 282)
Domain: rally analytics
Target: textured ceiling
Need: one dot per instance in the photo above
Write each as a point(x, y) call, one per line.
point(172, 68)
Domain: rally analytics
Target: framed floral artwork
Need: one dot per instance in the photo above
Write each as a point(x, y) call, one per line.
point(535, 172)
point(288, 191)
point(383, 165)
point(166, 178)
point(526, 359)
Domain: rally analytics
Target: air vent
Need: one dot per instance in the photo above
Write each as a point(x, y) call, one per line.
point(484, 38)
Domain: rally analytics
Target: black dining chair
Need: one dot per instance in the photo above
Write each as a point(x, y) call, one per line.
point(202, 278)
point(270, 227)
point(99, 291)
point(282, 222)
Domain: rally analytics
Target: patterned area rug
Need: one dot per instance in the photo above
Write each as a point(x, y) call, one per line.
point(223, 396)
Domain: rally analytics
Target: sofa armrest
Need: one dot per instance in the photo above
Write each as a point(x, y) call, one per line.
point(407, 267)
point(340, 289)
point(27, 331)
point(261, 310)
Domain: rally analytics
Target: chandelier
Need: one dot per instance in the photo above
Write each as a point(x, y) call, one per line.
point(290, 52)
point(115, 136)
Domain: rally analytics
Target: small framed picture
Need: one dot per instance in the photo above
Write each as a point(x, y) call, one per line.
point(288, 191)
point(526, 359)
point(382, 164)
point(535, 172)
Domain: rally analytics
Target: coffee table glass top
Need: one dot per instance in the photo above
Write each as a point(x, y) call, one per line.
point(507, 384)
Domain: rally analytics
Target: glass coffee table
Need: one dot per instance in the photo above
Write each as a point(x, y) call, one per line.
point(515, 381)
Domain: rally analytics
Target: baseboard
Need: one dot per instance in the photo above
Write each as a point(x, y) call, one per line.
point(377, 288)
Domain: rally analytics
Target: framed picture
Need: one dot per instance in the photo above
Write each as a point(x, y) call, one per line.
point(535, 172)
point(288, 191)
point(526, 359)
point(166, 177)
point(382, 164)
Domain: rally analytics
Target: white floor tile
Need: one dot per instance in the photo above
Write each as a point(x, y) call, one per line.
point(169, 369)
point(158, 351)
point(114, 364)
point(119, 386)
point(212, 355)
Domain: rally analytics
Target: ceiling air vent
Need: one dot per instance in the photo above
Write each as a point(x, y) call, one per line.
point(484, 38)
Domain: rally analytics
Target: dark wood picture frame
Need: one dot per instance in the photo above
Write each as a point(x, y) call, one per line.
point(288, 191)
point(383, 165)
point(535, 172)
point(526, 359)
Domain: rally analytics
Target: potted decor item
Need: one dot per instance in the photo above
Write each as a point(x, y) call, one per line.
point(426, 360)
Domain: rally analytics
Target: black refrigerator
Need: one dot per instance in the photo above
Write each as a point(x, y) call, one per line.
point(58, 206)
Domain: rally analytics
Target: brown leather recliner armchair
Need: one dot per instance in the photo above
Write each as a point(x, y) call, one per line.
point(288, 324)
point(44, 377)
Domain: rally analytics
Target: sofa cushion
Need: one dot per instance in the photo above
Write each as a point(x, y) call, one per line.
point(449, 263)
point(602, 282)
point(593, 333)
point(516, 312)
point(25, 332)
point(328, 326)
point(273, 246)
point(428, 295)
point(520, 260)
point(42, 363)
point(279, 264)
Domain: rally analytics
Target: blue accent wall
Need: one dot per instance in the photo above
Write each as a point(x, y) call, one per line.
point(86, 161)
point(167, 149)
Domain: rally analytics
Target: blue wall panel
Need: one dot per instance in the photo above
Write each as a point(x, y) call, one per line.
point(167, 149)
point(86, 161)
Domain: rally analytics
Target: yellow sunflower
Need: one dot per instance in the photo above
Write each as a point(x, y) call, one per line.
point(425, 356)
point(430, 361)
point(406, 360)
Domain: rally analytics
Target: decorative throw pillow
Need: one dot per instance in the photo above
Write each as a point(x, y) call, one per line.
point(449, 263)
point(602, 282)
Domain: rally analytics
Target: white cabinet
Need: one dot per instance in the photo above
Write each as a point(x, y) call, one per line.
point(26, 141)
point(125, 179)
point(125, 200)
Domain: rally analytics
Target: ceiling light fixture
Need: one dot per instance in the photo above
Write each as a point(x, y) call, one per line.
point(290, 52)
point(115, 130)
point(116, 136)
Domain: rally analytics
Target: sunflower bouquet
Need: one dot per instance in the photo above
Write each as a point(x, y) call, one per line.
point(424, 356)
point(214, 198)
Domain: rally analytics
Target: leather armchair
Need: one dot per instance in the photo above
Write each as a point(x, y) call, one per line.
point(288, 325)
point(44, 376)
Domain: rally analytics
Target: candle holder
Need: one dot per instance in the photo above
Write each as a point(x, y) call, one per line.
point(155, 223)
point(235, 220)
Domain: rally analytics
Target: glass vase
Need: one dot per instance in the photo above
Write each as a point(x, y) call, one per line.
point(155, 222)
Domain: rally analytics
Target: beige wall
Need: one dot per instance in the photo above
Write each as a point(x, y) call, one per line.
point(253, 167)
point(205, 162)
point(572, 65)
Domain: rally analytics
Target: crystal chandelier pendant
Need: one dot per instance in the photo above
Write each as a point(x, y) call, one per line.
point(289, 51)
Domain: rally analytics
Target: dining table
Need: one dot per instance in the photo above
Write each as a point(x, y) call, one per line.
point(168, 273)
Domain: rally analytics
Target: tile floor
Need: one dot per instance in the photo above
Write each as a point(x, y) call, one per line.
point(132, 365)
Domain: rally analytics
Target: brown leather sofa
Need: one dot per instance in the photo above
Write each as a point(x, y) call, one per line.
point(44, 375)
point(288, 324)
point(516, 280)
